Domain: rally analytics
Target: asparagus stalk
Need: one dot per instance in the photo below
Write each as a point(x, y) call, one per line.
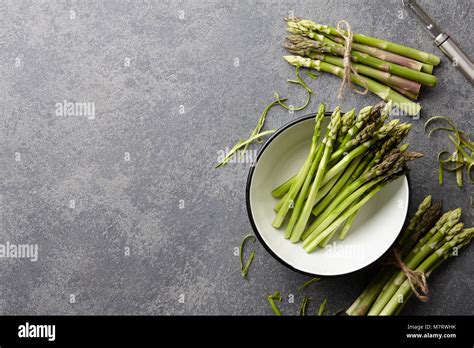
point(328, 141)
point(352, 172)
point(347, 226)
point(302, 175)
point(387, 56)
point(427, 221)
point(379, 75)
point(304, 46)
point(422, 208)
point(374, 42)
point(404, 92)
point(281, 190)
point(383, 92)
point(303, 194)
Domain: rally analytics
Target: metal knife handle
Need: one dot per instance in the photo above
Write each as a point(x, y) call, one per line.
point(457, 56)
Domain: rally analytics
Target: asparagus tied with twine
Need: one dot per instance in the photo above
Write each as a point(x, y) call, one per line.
point(389, 70)
point(428, 241)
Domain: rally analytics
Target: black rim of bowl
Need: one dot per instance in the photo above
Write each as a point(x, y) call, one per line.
point(254, 226)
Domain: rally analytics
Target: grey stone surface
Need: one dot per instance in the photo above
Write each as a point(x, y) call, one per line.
point(180, 218)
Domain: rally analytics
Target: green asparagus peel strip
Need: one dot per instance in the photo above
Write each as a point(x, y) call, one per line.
point(261, 122)
point(372, 41)
point(242, 144)
point(304, 305)
point(322, 307)
point(271, 299)
point(245, 268)
point(307, 283)
point(460, 158)
point(301, 82)
point(328, 142)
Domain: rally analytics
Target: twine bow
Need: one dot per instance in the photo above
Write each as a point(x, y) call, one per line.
point(417, 279)
point(347, 35)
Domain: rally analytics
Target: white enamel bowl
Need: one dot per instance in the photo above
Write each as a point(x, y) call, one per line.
point(374, 231)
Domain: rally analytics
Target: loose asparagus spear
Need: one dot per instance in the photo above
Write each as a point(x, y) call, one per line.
point(372, 41)
point(384, 92)
point(303, 194)
point(328, 141)
point(302, 175)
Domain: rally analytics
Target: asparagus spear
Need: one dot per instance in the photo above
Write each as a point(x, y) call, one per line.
point(422, 208)
point(304, 46)
point(328, 141)
point(372, 41)
point(302, 175)
point(384, 92)
point(347, 121)
point(303, 194)
point(347, 226)
point(379, 75)
point(387, 56)
point(427, 221)
point(281, 190)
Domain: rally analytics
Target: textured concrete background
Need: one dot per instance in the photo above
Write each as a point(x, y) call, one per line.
point(173, 83)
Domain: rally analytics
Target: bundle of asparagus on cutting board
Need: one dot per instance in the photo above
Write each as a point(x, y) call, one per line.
point(359, 154)
point(389, 70)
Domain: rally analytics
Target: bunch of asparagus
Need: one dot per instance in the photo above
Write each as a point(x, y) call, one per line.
point(391, 71)
point(356, 158)
point(428, 241)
